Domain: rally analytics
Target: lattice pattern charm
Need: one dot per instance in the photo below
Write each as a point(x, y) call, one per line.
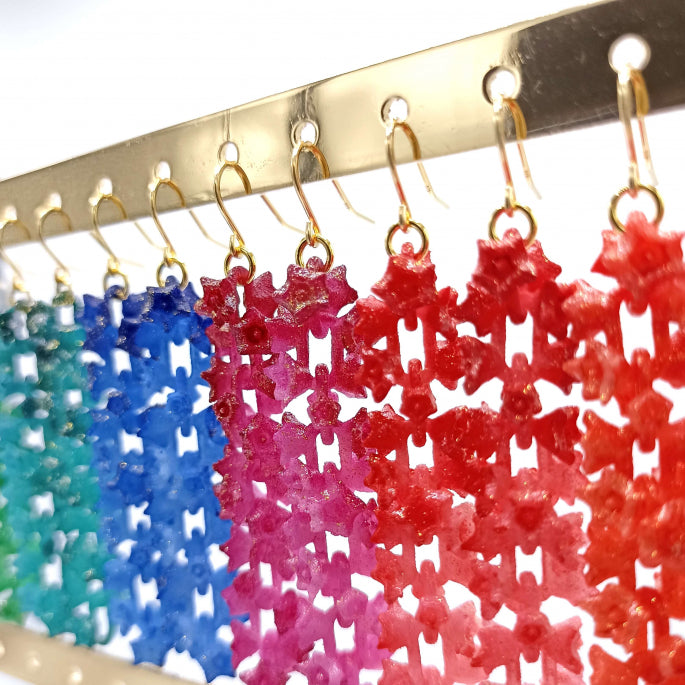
point(468, 498)
point(51, 491)
point(284, 499)
point(146, 400)
point(634, 518)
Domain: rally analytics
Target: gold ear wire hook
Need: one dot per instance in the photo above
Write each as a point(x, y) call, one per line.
point(18, 284)
point(170, 259)
point(278, 216)
point(312, 234)
point(237, 244)
point(630, 85)
point(62, 275)
point(405, 221)
point(113, 263)
point(500, 106)
point(392, 163)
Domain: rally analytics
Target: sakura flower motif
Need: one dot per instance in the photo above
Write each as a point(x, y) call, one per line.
point(639, 258)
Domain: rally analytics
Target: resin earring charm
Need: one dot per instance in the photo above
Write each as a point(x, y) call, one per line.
point(637, 530)
point(294, 468)
point(466, 496)
point(155, 440)
point(51, 493)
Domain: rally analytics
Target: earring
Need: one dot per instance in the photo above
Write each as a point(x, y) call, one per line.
point(154, 445)
point(287, 502)
point(467, 498)
point(637, 512)
point(20, 299)
point(51, 493)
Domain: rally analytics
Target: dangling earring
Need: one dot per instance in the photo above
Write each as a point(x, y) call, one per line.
point(153, 451)
point(283, 499)
point(637, 513)
point(53, 494)
point(494, 511)
point(10, 348)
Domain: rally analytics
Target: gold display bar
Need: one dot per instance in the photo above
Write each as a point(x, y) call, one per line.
point(566, 82)
point(49, 661)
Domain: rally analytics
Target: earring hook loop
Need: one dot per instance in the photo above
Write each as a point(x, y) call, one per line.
point(170, 259)
point(500, 106)
point(313, 233)
point(113, 262)
point(62, 275)
point(631, 87)
point(393, 125)
point(18, 282)
point(237, 243)
point(405, 221)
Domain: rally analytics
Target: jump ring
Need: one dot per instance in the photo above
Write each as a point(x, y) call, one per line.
point(321, 241)
point(168, 263)
point(532, 223)
point(237, 252)
point(123, 290)
point(650, 190)
point(423, 250)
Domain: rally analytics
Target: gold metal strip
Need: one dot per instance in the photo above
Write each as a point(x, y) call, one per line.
point(566, 82)
point(49, 661)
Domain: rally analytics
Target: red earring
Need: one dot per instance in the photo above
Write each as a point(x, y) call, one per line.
point(637, 520)
point(469, 499)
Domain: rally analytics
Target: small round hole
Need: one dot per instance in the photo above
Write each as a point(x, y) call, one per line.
point(629, 52)
point(229, 152)
point(163, 171)
point(55, 200)
point(10, 213)
point(305, 131)
point(75, 676)
point(33, 662)
point(395, 108)
point(104, 186)
point(501, 82)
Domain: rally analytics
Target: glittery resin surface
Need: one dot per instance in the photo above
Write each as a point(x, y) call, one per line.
point(637, 520)
point(290, 484)
point(160, 515)
point(468, 497)
point(50, 491)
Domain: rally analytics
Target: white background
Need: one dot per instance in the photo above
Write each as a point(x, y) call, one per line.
point(81, 75)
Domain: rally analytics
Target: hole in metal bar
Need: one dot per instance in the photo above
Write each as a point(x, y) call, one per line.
point(33, 662)
point(104, 186)
point(229, 152)
point(501, 82)
point(630, 51)
point(10, 213)
point(55, 200)
point(75, 676)
point(305, 131)
point(395, 108)
point(163, 171)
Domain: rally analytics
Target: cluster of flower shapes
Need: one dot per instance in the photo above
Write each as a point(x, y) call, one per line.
point(49, 522)
point(289, 505)
point(283, 501)
point(469, 499)
point(69, 544)
point(634, 518)
point(153, 401)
